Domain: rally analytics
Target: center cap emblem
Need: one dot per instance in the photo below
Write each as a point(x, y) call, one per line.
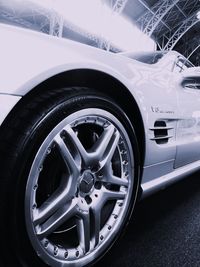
point(87, 182)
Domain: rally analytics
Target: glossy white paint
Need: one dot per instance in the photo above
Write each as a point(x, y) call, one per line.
point(188, 128)
point(7, 102)
point(164, 181)
point(29, 58)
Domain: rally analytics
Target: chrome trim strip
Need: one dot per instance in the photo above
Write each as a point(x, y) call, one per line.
point(161, 128)
point(192, 86)
point(162, 137)
point(157, 184)
point(159, 163)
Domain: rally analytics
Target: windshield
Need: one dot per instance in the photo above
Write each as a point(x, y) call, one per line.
point(91, 22)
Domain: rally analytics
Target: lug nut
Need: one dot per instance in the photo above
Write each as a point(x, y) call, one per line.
point(101, 237)
point(66, 254)
point(35, 187)
point(34, 206)
point(55, 251)
point(40, 168)
point(48, 150)
point(121, 141)
point(77, 253)
point(106, 124)
point(46, 244)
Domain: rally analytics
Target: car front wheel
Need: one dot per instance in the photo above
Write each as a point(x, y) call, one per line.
point(72, 179)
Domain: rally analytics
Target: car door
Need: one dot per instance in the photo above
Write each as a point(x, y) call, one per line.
point(188, 125)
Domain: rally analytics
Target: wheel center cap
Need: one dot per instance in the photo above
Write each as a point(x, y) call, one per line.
point(87, 182)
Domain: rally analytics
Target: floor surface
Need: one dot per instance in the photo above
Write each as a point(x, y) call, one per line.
point(165, 230)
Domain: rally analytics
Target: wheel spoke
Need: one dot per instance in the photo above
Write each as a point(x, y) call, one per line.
point(62, 195)
point(96, 208)
point(102, 143)
point(112, 195)
point(66, 190)
point(110, 150)
point(83, 227)
point(112, 179)
point(77, 143)
point(67, 157)
point(75, 212)
point(96, 211)
point(57, 219)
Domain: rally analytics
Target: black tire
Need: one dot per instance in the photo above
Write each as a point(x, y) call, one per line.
point(21, 137)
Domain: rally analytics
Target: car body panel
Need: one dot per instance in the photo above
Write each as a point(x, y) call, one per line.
point(7, 104)
point(28, 58)
point(188, 128)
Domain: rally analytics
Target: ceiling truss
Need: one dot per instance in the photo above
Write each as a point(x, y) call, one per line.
point(56, 24)
point(151, 19)
point(168, 22)
point(175, 36)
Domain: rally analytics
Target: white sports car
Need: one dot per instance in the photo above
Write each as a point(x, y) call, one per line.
point(84, 134)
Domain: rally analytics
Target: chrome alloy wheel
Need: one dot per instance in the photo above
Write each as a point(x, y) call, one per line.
point(79, 188)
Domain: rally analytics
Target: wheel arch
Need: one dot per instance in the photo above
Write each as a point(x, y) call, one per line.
point(101, 82)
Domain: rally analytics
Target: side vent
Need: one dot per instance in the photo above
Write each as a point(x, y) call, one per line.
point(161, 132)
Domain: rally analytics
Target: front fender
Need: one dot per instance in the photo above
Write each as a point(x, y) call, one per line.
point(7, 103)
